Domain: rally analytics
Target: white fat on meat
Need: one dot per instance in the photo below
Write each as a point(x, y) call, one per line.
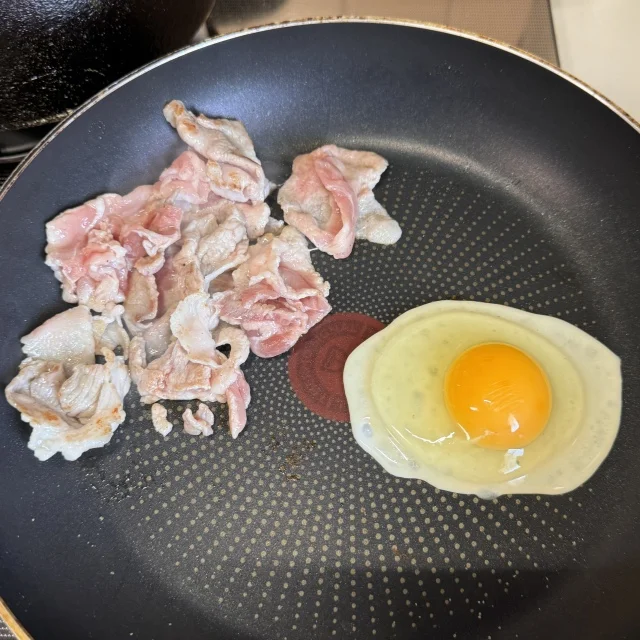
point(234, 171)
point(175, 376)
point(255, 216)
point(191, 323)
point(200, 424)
point(273, 226)
point(329, 198)
point(277, 295)
point(185, 182)
point(66, 338)
point(70, 414)
point(222, 283)
point(159, 419)
point(180, 276)
point(108, 331)
point(141, 304)
point(170, 377)
point(220, 244)
point(148, 233)
point(157, 336)
point(75, 336)
point(152, 300)
point(82, 395)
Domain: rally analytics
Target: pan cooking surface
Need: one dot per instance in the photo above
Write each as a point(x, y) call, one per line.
point(292, 531)
point(294, 523)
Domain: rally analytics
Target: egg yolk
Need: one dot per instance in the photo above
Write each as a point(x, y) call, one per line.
point(498, 395)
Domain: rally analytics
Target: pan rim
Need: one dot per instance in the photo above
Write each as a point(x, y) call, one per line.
point(416, 24)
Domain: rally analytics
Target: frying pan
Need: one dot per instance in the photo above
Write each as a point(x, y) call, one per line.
point(514, 183)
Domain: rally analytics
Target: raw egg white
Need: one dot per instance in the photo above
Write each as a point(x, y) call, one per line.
point(485, 399)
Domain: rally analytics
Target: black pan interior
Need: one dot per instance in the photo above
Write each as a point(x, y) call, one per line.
point(512, 185)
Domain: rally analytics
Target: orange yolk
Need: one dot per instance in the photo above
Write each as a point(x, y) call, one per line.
point(498, 395)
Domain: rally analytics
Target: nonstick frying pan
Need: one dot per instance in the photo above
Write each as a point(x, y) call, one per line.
point(514, 184)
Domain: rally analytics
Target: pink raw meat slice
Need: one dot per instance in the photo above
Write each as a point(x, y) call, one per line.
point(256, 216)
point(141, 304)
point(185, 181)
point(179, 277)
point(175, 376)
point(329, 198)
point(149, 233)
point(233, 167)
point(277, 296)
point(84, 253)
point(222, 242)
point(199, 424)
point(93, 248)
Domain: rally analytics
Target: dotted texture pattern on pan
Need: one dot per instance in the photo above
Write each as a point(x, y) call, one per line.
point(293, 526)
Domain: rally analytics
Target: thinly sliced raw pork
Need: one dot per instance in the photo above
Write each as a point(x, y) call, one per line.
point(109, 333)
point(70, 415)
point(176, 275)
point(83, 252)
point(141, 303)
point(184, 182)
point(72, 403)
point(66, 338)
point(221, 242)
point(238, 398)
point(233, 167)
point(329, 198)
point(191, 323)
point(180, 276)
point(93, 248)
point(157, 336)
point(146, 234)
point(179, 373)
point(174, 376)
point(277, 296)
